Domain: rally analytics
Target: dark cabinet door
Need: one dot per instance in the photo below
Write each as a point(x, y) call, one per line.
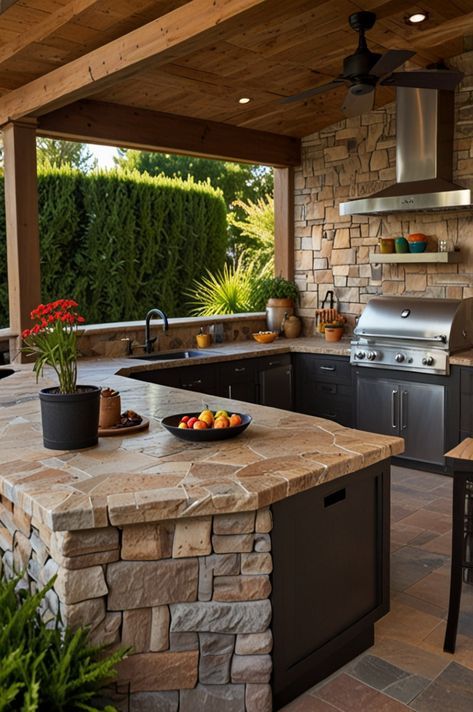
point(330, 576)
point(238, 380)
point(199, 378)
point(275, 387)
point(377, 405)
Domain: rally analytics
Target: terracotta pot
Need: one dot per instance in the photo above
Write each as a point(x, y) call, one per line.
point(110, 411)
point(70, 420)
point(333, 333)
point(275, 311)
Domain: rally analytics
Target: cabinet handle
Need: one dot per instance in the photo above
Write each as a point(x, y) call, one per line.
point(330, 416)
point(274, 363)
point(335, 497)
point(403, 410)
point(327, 368)
point(229, 391)
point(194, 383)
point(393, 409)
point(240, 370)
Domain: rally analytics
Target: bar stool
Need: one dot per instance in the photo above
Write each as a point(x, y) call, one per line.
point(461, 461)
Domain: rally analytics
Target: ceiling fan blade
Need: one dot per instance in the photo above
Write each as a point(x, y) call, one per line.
point(356, 104)
point(312, 92)
point(427, 79)
point(390, 61)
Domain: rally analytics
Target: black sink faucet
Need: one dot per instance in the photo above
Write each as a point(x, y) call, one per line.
point(148, 345)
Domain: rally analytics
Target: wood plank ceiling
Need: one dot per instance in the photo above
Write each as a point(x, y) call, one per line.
point(290, 46)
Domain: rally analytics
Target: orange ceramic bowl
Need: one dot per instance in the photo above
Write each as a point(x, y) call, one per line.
point(417, 237)
point(265, 337)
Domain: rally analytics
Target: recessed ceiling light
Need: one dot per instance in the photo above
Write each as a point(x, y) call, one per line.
point(417, 17)
point(244, 100)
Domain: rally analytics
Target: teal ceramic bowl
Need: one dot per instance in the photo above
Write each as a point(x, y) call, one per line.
point(401, 245)
point(417, 246)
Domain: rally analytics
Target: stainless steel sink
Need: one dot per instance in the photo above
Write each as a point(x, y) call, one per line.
point(172, 355)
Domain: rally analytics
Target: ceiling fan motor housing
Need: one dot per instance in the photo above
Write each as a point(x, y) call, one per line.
point(358, 66)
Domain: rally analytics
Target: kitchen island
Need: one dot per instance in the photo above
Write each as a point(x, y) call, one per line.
point(187, 552)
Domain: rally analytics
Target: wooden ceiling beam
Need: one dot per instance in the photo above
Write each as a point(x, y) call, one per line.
point(48, 27)
point(118, 125)
point(162, 40)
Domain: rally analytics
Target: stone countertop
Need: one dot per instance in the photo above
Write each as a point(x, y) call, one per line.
point(462, 358)
point(218, 353)
point(152, 476)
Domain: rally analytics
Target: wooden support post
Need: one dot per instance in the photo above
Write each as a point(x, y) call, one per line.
point(21, 212)
point(284, 222)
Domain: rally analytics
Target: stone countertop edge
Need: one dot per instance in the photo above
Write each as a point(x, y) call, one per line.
point(153, 476)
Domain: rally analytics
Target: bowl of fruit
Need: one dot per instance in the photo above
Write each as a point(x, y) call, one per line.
point(207, 425)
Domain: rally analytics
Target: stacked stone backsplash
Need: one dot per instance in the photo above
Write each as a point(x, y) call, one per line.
point(357, 157)
point(107, 340)
point(190, 596)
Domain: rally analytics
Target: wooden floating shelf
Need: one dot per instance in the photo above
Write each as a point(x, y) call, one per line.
point(413, 257)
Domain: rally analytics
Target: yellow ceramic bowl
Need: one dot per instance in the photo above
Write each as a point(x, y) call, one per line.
point(265, 337)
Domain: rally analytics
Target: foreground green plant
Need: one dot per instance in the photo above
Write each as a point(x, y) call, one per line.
point(46, 669)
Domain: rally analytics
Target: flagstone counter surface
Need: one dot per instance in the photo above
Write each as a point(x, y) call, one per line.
point(154, 476)
point(164, 545)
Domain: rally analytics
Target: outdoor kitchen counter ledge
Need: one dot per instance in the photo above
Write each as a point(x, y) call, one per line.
point(153, 476)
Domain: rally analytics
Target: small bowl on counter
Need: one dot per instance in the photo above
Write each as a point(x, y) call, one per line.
point(265, 337)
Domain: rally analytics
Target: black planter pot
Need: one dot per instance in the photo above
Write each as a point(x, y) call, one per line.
point(70, 420)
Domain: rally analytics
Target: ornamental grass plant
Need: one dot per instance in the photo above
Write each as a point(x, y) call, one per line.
point(43, 667)
point(53, 341)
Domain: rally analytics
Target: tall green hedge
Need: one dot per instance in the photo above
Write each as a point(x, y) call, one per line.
point(120, 243)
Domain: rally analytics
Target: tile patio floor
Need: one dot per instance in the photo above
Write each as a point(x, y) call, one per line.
point(406, 669)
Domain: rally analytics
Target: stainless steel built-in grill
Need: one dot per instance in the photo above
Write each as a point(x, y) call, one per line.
point(412, 334)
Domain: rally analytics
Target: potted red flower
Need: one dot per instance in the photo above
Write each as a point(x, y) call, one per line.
point(69, 413)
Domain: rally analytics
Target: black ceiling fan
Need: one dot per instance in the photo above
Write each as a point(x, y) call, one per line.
point(364, 69)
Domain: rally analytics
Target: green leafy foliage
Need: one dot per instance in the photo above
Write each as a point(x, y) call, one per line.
point(276, 287)
point(240, 183)
point(257, 233)
point(226, 292)
point(46, 669)
point(119, 243)
point(56, 153)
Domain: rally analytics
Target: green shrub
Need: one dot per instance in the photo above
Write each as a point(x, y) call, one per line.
point(44, 669)
point(120, 243)
point(226, 292)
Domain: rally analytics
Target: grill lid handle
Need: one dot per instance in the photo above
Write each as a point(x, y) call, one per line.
point(403, 337)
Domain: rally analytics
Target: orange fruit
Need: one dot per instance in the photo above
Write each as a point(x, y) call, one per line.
point(200, 425)
point(235, 420)
point(222, 422)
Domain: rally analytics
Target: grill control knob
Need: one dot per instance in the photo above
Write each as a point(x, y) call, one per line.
point(427, 361)
point(399, 358)
point(360, 355)
point(371, 355)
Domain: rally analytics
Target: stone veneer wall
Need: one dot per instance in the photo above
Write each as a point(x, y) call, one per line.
point(107, 342)
point(190, 596)
point(354, 158)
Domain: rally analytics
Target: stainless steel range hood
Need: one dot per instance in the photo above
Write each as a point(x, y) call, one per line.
point(424, 155)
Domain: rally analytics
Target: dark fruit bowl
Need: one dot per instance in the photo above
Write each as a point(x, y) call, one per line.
point(200, 436)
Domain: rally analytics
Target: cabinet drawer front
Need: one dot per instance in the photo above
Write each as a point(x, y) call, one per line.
point(334, 408)
point(237, 372)
point(265, 362)
point(327, 388)
point(332, 369)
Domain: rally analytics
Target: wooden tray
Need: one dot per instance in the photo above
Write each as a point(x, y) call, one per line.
point(124, 429)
